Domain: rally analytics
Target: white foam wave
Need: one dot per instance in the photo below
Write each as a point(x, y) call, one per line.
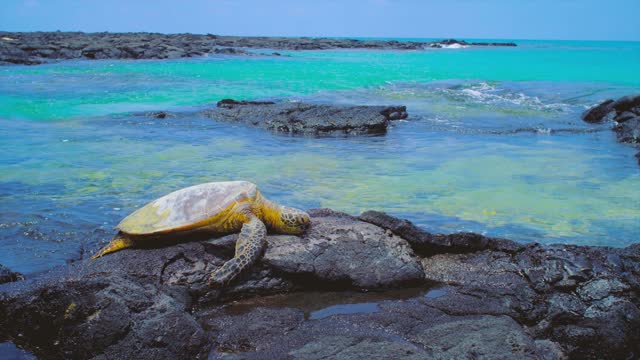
point(455, 46)
point(488, 94)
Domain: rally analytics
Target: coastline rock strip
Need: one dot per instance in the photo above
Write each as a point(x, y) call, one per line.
point(496, 299)
point(624, 112)
point(32, 48)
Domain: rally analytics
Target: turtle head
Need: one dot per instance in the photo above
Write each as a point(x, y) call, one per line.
point(293, 221)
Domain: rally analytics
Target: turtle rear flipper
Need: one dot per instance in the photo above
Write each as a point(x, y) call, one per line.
point(119, 242)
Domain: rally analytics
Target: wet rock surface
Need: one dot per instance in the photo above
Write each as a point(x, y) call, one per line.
point(41, 47)
point(629, 130)
point(625, 113)
point(621, 110)
point(305, 118)
point(494, 299)
point(7, 275)
point(400, 329)
point(343, 250)
point(598, 113)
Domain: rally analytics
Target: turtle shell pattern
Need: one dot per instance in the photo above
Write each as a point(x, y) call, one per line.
point(188, 208)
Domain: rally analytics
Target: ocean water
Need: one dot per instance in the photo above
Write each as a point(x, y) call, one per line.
point(493, 144)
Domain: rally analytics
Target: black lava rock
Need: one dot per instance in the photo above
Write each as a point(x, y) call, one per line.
point(626, 103)
point(598, 113)
point(310, 119)
point(628, 131)
point(626, 114)
point(41, 47)
point(494, 299)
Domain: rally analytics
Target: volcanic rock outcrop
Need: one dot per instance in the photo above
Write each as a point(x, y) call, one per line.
point(483, 297)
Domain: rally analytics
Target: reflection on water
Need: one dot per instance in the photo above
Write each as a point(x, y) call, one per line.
point(319, 305)
point(369, 307)
point(435, 293)
point(344, 309)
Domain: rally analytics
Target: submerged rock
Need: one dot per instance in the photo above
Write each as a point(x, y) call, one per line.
point(7, 275)
point(304, 118)
point(157, 114)
point(496, 299)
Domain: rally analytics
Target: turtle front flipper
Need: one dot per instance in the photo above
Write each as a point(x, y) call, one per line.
point(252, 239)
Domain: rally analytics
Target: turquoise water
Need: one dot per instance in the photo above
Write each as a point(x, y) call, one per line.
point(493, 144)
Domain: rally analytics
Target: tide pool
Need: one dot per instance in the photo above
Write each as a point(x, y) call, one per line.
point(494, 143)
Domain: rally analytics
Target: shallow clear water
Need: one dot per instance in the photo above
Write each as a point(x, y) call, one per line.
point(9, 351)
point(493, 144)
point(322, 304)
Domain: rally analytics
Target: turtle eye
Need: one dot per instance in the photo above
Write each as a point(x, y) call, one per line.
point(303, 220)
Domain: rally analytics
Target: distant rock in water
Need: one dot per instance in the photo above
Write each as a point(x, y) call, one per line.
point(7, 275)
point(41, 47)
point(230, 103)
point(159, 114)
point(311, 119)
point(625, 112)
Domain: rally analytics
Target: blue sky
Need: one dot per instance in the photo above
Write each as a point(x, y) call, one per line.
point(514, 19)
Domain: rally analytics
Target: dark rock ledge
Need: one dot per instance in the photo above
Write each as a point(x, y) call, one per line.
point(300, 118)
point(304, 118)
point(497, 299)
point(41, 47)
point(624, 112)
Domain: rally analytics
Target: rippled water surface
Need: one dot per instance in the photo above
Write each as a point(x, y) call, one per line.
point(493, 144)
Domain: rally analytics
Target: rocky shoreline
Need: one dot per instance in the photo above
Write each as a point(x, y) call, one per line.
point(483, 297)
point(34, 48)
point(298, 117)
point(624, 113)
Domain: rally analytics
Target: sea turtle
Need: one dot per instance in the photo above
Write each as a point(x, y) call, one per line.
point(217, 208)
